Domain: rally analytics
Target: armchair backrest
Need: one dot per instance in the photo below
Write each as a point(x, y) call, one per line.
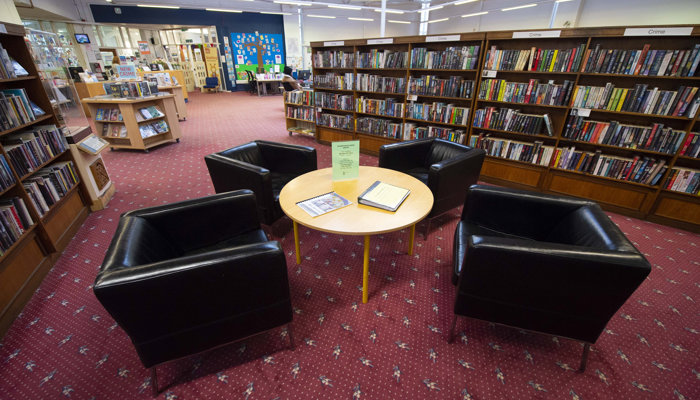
point(140, 243)
point(249, 153)
point(442, 150)
point(588, 226)
point(211, 81)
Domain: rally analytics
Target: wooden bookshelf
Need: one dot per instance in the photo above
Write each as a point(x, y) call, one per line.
point(562, 70)
point(27, 261)
point(299, 112)
point(128, 108)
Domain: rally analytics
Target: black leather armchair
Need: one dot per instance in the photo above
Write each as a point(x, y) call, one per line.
point(541, 262)
point(263, 167)
point(447, 168)
point(186, 277)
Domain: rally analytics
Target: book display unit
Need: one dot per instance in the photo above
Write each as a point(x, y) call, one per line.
point(609, 114)
point(42, 203)
point(138, 123)
point(299, 112)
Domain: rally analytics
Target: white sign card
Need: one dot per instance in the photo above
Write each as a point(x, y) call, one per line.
point(443, 38)
point(126, 71)
point(581, 112)
point(380, 41)
point(488, 73)
point(336, 43)
point(536, 34)
point(649, 31)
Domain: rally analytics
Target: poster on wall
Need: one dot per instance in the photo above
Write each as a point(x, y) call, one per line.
point(255, 50)
point(143, 47)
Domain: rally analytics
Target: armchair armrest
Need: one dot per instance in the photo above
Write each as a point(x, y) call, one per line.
point(201, 222)
point(574, 280)
point(406, 155)
point(287, 158)
point(452, 177)
point(518, 212)
point(229, 174)
point(175, 295)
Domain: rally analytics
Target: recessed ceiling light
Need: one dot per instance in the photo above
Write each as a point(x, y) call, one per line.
point(393, 21)
point(275, 12)
point(464, 2)
point(294, 3)
point(343, 6)
point(222, 10)
point(319, 16)
point(475, 14)
point(361, 19)
point(157, 6)
point(438, 20)
point(389, 11)
point(519, 7)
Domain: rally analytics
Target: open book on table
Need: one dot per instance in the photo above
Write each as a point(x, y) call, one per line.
point(383, 195)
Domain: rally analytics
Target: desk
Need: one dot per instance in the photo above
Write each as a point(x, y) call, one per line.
point(270, 81)
point(356, 219)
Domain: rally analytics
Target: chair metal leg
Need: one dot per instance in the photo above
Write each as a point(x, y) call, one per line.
point(154, 381)
point(584, 357)
point(451, 338)
point(291, 339)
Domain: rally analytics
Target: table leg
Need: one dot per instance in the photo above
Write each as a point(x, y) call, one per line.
point(296, 242)
point(411, 239)
point(257, 85)
point(365, 272)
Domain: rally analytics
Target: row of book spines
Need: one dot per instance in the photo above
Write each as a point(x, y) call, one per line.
point(438, 112)
point(467, 58)
point(456, 136)
point(378, 126)
point(50, 184)
point(14, 221)
point(301, 113)
point(7, 71)
point(530, 93)
point(644, 170)
point(109, 114)
point(15, 108)
point(301, 97)
point(28, 150)
point(543, 60)
point(534, 153)
point(507, 119)
point(643, 62)
point(683, 180)
point(7, 179)
point(639, 99)
point(691, 145)
point(654, 138)
point(373, 106)
point(382, 60)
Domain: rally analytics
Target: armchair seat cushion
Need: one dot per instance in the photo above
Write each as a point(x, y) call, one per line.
point(254, 236)
point(419, 173)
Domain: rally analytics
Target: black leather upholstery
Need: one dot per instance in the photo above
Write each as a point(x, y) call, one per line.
point(263, 167)
point(187, 277)
point(447, 168)
point(542, 262)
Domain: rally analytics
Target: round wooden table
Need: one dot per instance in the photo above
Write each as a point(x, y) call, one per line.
point(356, 219)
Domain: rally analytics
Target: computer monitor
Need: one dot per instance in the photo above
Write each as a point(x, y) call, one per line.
point(82, 38)
point(74, 71)
point(303, 74)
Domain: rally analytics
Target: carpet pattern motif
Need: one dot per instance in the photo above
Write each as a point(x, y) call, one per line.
point(65, 345)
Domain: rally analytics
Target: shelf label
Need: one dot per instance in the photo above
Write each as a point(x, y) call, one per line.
point(380, 41)
point(2, 28)
point(412, 97)
point(336, 43)
point(683, 31)
point(581, 112)
point(443, 38)
point(536, 34)
point(319, 109)
point(488, 73)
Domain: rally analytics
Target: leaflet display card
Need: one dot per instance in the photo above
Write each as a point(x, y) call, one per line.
point(383, 195)
point(346, 160)
point(92, 144)
point(324, 203)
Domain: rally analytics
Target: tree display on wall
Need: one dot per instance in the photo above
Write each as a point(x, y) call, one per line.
point(255, 50)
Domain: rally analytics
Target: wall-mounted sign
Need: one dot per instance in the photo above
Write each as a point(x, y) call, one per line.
point(649, 31)
point(535, 34)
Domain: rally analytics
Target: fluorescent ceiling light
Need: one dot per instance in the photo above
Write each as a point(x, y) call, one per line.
point(519, 7)
point(464, 2)
point(361, 19)
point(319, 16)
point(222, 10)
point(430, 9)
point(294, 3)
point(345, 6)
point(275, 12)
point(475, 14)
point(398, 22)
point(438, 20)
point(157, 6)
point(389, 11)
point(562, 1)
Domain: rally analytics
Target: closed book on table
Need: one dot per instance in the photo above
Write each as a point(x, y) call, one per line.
point(383, 195)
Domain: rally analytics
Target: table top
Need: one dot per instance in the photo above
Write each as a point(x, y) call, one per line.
point(356, 219)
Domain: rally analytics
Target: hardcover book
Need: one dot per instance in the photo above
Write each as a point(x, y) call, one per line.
point(383, 195)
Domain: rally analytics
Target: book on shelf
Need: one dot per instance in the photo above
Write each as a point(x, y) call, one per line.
point(323, 204)
point(383, 195)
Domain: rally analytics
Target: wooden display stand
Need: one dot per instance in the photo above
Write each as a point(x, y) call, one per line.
point(180, 105)
point(87, 90)
point(178, 74)
point(25, 263)
point(91, 167)
point(641, 200)
point(128, 108)
point(299, 112)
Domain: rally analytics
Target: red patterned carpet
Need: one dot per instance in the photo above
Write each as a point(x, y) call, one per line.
point(64, 344)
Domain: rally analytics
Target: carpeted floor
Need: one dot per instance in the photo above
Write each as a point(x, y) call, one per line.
point(64, 344)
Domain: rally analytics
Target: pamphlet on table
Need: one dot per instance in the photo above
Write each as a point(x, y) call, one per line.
point(324, 203)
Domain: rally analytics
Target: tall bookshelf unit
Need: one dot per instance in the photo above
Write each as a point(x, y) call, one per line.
point(25, 263)
point(576, 119)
